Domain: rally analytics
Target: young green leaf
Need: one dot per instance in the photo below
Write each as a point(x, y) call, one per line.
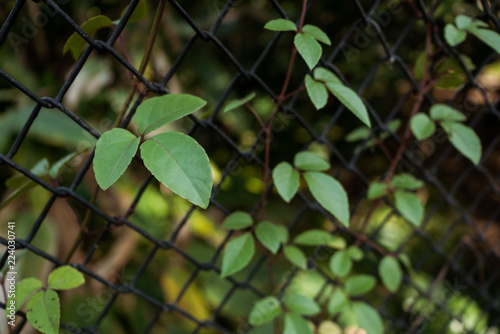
point(406, 181)
point(44, 312)
point(268, 235)
point(238, 220)
point(317, 92)
point(463, 22)
point(453, 35)
point(114, 152)
point(181, 164)
point(280, 25)
point(282, 233)
point(487, 36)
point(330, 194)
point(24, 289)
point(358, 134)
point(329, 327)
point(338, 301)
point(309, 161)
point(317, 33)
point(295, 324)
point(234, 104)
point(264, 311)
point(359, 284)
point(351, 100)
point(340, 264)
point(318, 238)
point(41, 169)
point(409, 206)
point(368, 318)
point(422, 126)
point(56, 168)
point(238, 254)
point(390, 273)
point(308, 48)
point(443, 112)
point(376, 190)
point(301, 304)
point(76, 43)
point(287, 180)
point(322, 74)
point(295, 256)
point(464, 139)
point(64, 278)
point(158, 111)
point(355, 253)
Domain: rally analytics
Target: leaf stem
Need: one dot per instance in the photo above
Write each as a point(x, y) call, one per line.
point(144, 63)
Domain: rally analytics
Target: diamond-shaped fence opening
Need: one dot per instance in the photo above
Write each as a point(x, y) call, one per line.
point(152, 260)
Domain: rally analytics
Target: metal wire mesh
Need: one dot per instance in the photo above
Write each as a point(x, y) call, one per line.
point(469, 265)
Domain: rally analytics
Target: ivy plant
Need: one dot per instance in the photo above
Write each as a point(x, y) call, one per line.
point(174, 158)
point(44, 311)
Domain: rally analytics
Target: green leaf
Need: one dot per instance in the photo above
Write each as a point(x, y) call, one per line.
point(140, 12)
point(487, 36)
point(322, 74)
point(358, 134)
point(295, 256)
point(181, 164)
point(330, 194)
point(41, 169)
point(422, 126)
point(282, 233)
point(376, 190)
point(359, 284)
point(329, 327)
point(18, 192)
point(287, 180)
point(264, 311)
point(368, 318)
point(409, 206)
point(268, 235)
point(114, 152)
point(295, 324)
point(390, 273)
point(317, 92)
point(463, 21)
point(406, 181)
point(238, 254)
point(56, 168)
point(231, 105)
point(453, 35)
point(280, 25)
point(318, 238)
point(355, 253)
point(64, 278)
point(158, 111)
point(317, 33)
point(24, 289)
point(310, 161)
point(76, 43)
point(443, 112)
point(351, 100)
point(338, 301)
point(301, 304)
point(465, 140)
point(44, 312)
point(308, 48)
point(340, 264)
point(238, 220)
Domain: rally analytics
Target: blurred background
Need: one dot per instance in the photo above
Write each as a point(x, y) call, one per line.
point(453, 285)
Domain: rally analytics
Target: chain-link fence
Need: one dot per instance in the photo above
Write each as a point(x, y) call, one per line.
point(375, 44)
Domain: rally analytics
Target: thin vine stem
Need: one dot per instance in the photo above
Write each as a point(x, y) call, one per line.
point(142, 68)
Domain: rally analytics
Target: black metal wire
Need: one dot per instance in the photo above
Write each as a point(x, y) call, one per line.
point(486, 294)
